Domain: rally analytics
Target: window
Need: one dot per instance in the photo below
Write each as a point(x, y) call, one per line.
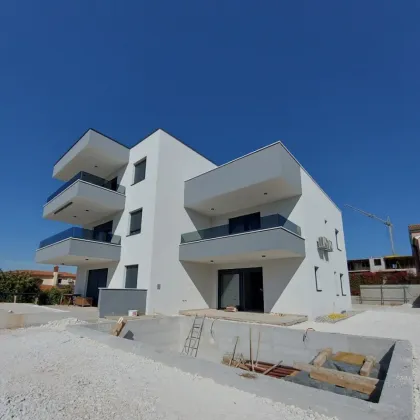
point(131, 272)
point(317, 285)
point(337, 286)
point(135, 222)
point(341, 283)
point(139, 171)
point(337, 239)
point(244, 223)
point(377, 261)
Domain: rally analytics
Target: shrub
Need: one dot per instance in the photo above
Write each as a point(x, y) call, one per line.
point(19, 283)
point(53, 295)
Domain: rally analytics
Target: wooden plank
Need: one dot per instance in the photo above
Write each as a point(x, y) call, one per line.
point(250, 348)
point(367, 366)
point(118, 327)
point(322, 357)
point(271, 368)
point(352, 358)
point(234, 350)
point(258, 347)
point(343, 379)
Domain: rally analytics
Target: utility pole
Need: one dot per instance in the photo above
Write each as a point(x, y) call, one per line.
point(386, 222)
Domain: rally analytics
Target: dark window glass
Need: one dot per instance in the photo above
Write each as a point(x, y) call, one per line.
point(139, 171)
point(244, 223)
point(131, 272)
point(135, 221)
point(103, 232)
point(377, 261)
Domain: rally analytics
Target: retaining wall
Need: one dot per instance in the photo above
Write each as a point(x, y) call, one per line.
point(117, 302)
point(389, 294)
point(162, 340)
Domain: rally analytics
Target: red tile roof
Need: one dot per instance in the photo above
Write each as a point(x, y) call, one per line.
point(38, 273)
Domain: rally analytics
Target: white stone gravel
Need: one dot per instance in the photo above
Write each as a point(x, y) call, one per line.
point(398, 322)
point(49, 373)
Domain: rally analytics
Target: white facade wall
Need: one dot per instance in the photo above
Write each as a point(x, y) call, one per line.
point(178, 290)
point(322, 218)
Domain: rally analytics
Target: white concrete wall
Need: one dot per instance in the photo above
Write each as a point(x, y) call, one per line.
point(374, 267)
point(181, 286)
point(322, 218)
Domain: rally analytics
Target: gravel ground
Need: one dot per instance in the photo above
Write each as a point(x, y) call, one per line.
point(397, 322)
point(49, 373)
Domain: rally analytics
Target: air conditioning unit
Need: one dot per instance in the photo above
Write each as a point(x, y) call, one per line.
point(324, 244)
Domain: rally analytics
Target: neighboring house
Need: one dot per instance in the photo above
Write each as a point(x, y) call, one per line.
point(391, 263)
point(164, 229)
point(414, 235)
point(52, 278)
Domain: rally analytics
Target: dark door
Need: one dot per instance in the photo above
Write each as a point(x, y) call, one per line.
point(244, 223)
point(242, 288)
point(103, 232)
point(113, 185)
point(96, 279)
point(253, 294)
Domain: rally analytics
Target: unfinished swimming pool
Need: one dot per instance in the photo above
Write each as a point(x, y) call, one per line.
point(163, 339)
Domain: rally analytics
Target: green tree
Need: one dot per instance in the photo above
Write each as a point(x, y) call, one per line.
point(19, 283)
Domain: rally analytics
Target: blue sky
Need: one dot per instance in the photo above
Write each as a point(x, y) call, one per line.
point(337, 82)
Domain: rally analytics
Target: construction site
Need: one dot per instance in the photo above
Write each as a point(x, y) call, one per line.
point(152, 366)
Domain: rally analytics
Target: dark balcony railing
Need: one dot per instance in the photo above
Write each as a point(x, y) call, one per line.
point(80, 233)
point(266, 222)
point(91, 179)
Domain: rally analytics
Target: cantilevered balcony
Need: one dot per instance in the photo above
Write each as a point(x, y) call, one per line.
point(77, 246)
point(84, 199)
point(264, 176)
point(274, 237)
point(94, 153)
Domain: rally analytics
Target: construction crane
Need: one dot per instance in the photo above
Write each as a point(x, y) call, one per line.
point(386, 222)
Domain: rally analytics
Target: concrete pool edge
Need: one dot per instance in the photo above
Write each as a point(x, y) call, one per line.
point(396, 399)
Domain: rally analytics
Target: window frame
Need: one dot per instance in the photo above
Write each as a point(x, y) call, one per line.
point(336, 278)
point(337, 240)
point(130, 232)
point(341, 283)
point(125, 277)
point(316, 269)
point(374, 262)
point(139, 162)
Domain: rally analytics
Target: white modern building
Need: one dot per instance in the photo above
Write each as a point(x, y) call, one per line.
point(160, 228)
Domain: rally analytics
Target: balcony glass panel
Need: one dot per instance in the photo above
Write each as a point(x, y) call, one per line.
point(91, 179)
point(80, 233)
point(266, 222)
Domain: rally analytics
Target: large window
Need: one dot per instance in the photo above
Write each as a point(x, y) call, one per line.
point(139, 171)
point(317, 285)
point(131, 272)
point(135, 222)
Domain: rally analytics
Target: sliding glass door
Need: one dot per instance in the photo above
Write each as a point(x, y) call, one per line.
point(242, 288)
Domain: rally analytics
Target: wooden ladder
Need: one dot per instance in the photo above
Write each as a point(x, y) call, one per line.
point(192, 341)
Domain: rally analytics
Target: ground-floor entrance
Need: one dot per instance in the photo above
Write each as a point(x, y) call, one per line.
point(96, 279)
point(242, 288)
